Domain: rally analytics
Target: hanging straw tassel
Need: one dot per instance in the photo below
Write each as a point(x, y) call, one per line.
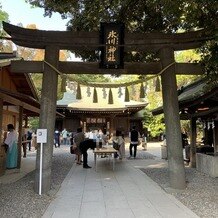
point(95, 96)
point(126, 94)
point(78, 92)
point(142, 91)
point(157, 85)
point(63, 83)
point(110, 97)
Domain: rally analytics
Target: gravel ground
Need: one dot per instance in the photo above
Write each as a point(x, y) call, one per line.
point(18, 199)
point(201, 194)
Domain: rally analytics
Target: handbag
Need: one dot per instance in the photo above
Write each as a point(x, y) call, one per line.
point(72, 149)
point(5, 146)
point(139, 142)
point(116, 146)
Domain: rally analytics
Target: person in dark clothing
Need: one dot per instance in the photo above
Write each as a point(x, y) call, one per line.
point(184, 140)
point(84, 146)
point(57, 136)
point(29, 138)
point(134, 139)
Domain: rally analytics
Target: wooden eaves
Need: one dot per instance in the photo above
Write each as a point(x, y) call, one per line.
point(195, 100)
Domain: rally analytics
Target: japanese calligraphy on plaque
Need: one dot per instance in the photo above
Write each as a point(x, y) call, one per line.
point(112, 40)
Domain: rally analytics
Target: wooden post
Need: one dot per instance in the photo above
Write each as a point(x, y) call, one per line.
point(2, 150)
point(172, 121)
point(47, 117)
point(193, 143)
point(19, 145)
point(215, 136)
point(1, 120)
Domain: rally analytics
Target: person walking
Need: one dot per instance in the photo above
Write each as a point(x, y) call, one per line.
point(64, 136)
point(134, 140)
point(57, 136)
point(29, 139)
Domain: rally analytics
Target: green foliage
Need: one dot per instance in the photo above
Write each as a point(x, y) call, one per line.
point(210, 62)
point(185, 127)
point(200, 14)
point(190, 56)
point(187, 56)
point(33, 123)
point(92, 78)
point(4, 46)
point(3, 17)
point(138, 16)
point(154, 98)
point(37, 80)
point(154, 124)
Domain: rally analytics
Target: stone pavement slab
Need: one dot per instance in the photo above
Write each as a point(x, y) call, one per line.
point(125, 192)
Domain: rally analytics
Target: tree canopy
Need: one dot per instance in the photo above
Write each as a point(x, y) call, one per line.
point(140, 16)
point(3, 17)
point(137, 15)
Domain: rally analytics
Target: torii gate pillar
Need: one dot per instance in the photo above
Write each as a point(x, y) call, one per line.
point(172, 120)
point(47, 117)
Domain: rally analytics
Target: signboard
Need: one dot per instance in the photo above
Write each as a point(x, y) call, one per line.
point(41, 135)
point(112, 51)
point(41, 138)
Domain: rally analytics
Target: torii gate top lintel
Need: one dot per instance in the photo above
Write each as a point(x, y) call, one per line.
point(90, 40)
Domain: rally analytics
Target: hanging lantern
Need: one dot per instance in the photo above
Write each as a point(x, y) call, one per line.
point(63, 83)
point(110, 97)
point(78, 92)
point(142, 91)
point(126, 94)
point(95, 96)
point(157, 85)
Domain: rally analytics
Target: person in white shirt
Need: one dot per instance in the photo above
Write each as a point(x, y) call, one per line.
point(64, 136)
point(12, 150)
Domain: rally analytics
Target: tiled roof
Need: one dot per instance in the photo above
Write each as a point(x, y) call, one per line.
point(192, 91)
point(194, 94)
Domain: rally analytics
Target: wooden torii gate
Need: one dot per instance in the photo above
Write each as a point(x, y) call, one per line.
point(161, 43)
